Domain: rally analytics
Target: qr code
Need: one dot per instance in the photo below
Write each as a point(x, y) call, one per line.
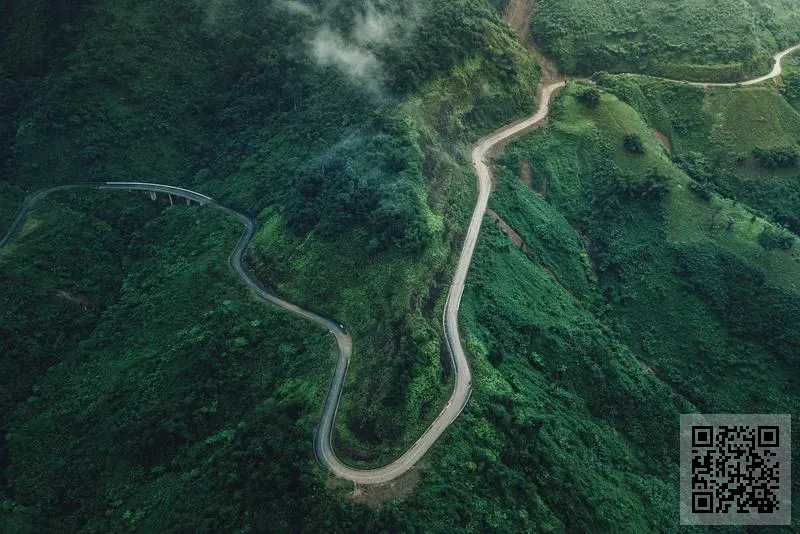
point(735, 469)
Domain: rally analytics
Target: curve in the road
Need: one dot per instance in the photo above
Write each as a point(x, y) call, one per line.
point(463, 378)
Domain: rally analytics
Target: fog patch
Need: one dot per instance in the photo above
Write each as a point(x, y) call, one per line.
point(213, 9)
point(329, 48)
point(373, 27)
point(353, 52)
point(352, 49)
point(295, 7)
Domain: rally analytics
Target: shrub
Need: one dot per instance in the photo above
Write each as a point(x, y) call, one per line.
point(590, 97)
point(777, 158)
point(633, 144)
point(791, 87)
point(701, 190)
point(772, 238)
point(654, 186)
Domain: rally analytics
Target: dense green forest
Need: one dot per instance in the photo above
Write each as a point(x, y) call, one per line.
point(630, 278)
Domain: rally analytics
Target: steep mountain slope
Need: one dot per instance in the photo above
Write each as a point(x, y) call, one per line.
point(715, 40)
point(686, 280)
point(144, 390)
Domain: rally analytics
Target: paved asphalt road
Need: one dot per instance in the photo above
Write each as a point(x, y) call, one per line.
point(463, 378)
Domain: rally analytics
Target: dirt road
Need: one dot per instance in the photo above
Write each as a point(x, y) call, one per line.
point(777, 70)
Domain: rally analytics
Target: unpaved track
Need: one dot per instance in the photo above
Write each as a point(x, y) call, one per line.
point(463, 377)
point(777, 70)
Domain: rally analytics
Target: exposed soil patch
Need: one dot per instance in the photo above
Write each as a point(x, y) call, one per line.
point(517, 240)
point(375, 495)
point(526, 173)
point(663, 139)
point(510, 232)
point(548, 71)
point(519, 15)
point(527, 177)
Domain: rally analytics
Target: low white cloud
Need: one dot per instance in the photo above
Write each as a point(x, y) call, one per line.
point(351, 50)
point(329, 48)
point(373, 27)
point(353, 53)
point(293, 6)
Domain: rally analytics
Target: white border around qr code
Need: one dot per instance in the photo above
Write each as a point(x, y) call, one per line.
point(700, 505)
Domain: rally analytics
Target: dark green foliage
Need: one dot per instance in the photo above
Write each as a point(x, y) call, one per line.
point(73, 278)
point(158, 396)
point(790, 88)
point(181, 385)
point(772, 239)
point(177, 402)
point(448, 33)
point(344, 188)
point(751, 309)
point(777, 158)
point(589, 97)
point(633, 144)
point(652, 187)
point(701, 190)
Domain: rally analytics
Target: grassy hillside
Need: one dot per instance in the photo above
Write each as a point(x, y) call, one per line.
point(728, 140)
point(719, 40)
point(689, 286)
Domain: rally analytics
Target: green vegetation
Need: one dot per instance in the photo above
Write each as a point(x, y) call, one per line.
point(790, 88)
point(721, 40)
point(589, 97)
point(174, 388)
point(142, 388)
point(360, 166)
point(689, 289)
point(740, 143)
point(777, 158)
point(632, 143)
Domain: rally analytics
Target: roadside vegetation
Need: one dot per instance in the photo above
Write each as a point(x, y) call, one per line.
point(724, 40)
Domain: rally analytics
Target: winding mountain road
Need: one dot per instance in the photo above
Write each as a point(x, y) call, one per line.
point(463, 378)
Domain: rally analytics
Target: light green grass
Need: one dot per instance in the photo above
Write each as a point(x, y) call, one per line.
point(693, 220)
point(689, 218)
